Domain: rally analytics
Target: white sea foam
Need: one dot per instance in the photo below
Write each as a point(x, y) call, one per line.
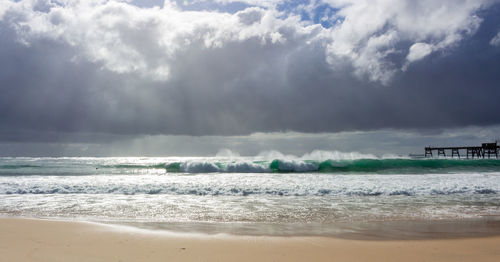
point(318, 155)
point(237, 184)
point(321, 155)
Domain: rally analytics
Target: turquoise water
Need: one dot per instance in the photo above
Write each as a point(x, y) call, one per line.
point(379, 166)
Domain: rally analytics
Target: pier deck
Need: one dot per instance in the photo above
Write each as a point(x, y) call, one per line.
point(486, 149)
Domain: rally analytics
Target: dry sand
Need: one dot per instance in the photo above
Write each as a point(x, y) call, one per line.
point(42, 240)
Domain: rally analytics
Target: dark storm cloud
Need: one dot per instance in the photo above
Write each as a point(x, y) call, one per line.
point(51, 92)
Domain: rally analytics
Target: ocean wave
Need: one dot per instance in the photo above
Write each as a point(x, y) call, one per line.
point(398, 165)
point(266, 162)
point(18, 166)
point(134, 166)
point(280, 184)
point(217, 166)
point(238, 191)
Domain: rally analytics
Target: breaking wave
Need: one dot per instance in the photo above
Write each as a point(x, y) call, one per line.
point(228, 162)
point(399, 165)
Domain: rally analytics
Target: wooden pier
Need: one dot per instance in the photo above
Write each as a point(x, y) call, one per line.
point(485, 150)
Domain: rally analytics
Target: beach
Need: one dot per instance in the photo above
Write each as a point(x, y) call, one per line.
point(44, 240)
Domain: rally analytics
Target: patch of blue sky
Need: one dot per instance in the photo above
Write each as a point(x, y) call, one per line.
point(315, 12)
point(325, 15)
point(295, 8)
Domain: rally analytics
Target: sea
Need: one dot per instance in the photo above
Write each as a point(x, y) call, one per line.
point(320, 193)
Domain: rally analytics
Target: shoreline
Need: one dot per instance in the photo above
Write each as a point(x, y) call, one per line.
point(25, 239)
point(353, 230)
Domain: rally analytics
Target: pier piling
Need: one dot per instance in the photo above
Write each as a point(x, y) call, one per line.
point(455, 151)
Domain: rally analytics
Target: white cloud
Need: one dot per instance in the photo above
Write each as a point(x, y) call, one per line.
point(418, 51)
point(128, 39)
point(374, 31)
point(376, 38)
point(495, 41)
point(4, 6)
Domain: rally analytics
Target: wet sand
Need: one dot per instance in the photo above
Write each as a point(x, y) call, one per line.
point(43, 240)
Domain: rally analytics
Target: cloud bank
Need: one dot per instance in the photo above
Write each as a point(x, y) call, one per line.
point(238, 67)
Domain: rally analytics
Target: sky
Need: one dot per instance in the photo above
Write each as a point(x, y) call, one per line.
point(160, 78)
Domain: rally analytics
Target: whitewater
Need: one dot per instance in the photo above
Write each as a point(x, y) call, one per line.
point(314, 190)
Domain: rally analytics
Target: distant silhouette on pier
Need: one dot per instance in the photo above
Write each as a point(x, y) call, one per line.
point(486, 149)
